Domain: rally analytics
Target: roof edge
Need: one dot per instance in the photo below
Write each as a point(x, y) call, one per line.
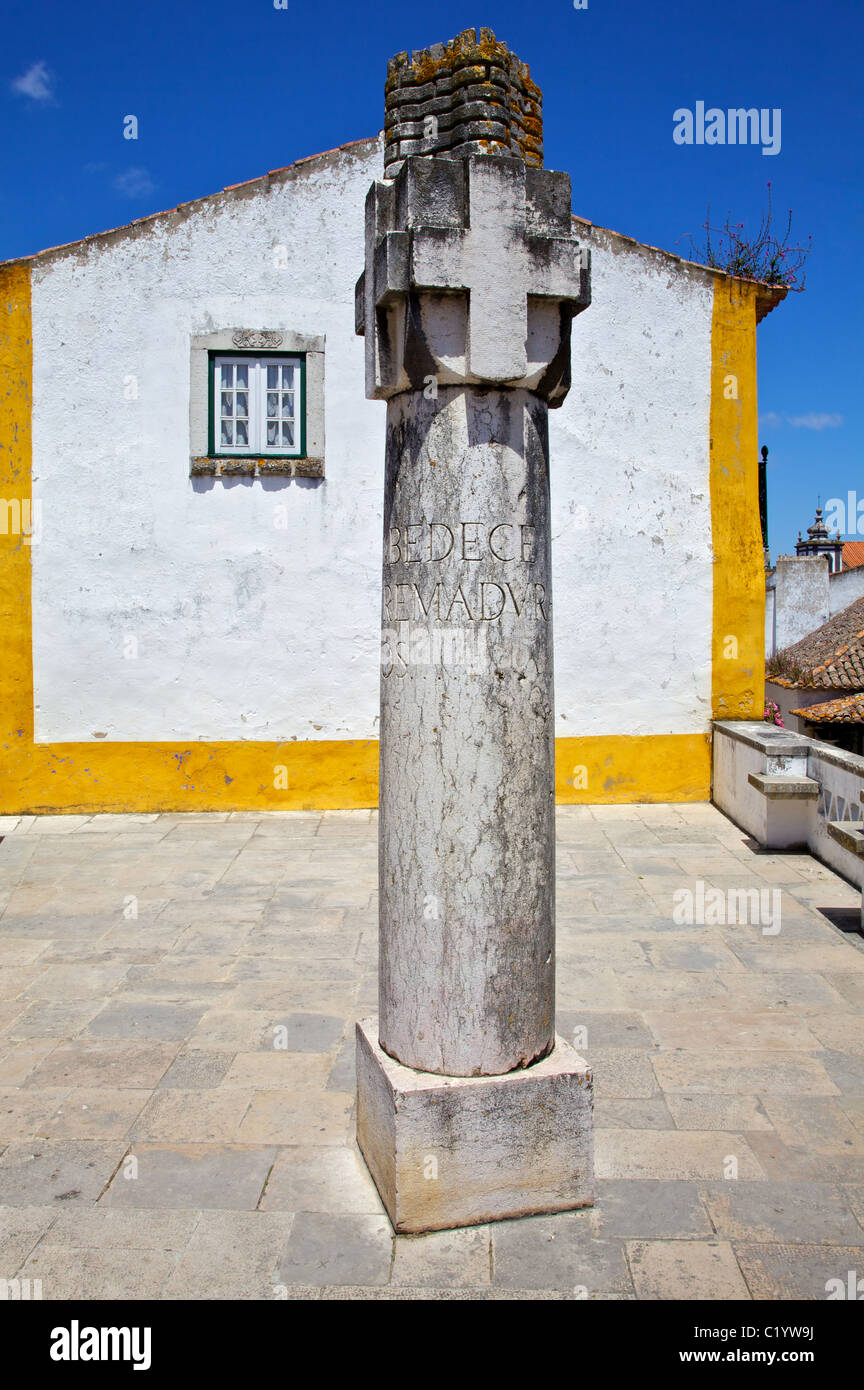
point(767, 296)
point(274, 176)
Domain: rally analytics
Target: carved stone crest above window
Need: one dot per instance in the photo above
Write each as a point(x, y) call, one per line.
point(256, 338)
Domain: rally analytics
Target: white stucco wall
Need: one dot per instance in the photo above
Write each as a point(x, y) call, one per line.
point(844, 588)
point(255, 604)
point(800, 585)
point(631, 558)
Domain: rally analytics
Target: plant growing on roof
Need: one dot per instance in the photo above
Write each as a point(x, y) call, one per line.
point(784, 666)
point(766, 256)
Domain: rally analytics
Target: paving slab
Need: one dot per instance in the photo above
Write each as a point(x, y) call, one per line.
point(452, 1259)
point(21, 1229)
point(327, 1249)
point(706, 1112)
point(650, 1210)
point(197, 1070)
point(103, 1228)
point(69, 1274)
point(231, 1255)
point(280, 1116)
point(25, 1112)
point(815, 1123)
point(51, 1020)
point(845, 1070)
point(322, 1179)
point(559, 1252)
point(703, 1271)
point(790, 1272)
point(192, 1117)
point(787, 1212)
point(650, 1113)
point(684, 1154)
point(212, 1176)
point(93, 1062)
point(145, 1021)
point(46, 1172)
point(621, 1073)
point(745, 1071)
point(92, 1112)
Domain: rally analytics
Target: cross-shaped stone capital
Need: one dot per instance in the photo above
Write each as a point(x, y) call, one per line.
point(486, 227)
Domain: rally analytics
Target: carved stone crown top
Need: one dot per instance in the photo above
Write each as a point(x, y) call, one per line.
point(467, 97)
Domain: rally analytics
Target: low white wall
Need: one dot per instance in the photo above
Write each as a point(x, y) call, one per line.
point(741, 748)
point(734, 759)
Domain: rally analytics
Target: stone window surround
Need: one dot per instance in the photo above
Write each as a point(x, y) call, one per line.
point(202, 463)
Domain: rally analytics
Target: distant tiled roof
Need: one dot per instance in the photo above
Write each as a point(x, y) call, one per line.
point(853, 554)
point(849, 709)
point(832, 657)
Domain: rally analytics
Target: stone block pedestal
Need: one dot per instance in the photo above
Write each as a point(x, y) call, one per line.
point(458, 1150)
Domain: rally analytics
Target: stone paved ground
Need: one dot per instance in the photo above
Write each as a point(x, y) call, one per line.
point(155, 1143)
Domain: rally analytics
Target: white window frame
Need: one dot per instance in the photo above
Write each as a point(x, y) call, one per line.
point(257, 365)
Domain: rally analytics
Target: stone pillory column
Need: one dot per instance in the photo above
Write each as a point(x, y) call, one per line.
point(469, 1108)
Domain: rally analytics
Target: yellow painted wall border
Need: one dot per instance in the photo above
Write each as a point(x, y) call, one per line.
point(626, 768)
point(85, 777)
point(738, 641)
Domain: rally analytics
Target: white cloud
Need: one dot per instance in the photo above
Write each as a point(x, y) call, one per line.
point(815, 422)
point(37, 83)
point(134, 183)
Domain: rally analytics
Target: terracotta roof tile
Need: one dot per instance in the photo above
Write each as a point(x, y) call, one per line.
point(831, 658)
point(849, 709)
point(853, 554)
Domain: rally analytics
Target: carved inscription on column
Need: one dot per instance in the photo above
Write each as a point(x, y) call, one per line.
point(460, 575)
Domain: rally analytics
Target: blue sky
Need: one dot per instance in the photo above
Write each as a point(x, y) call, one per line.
point(223, 92)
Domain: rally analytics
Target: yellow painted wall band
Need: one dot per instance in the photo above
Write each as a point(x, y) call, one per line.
point(738, 643)
point(16, 375)
point(618, 768)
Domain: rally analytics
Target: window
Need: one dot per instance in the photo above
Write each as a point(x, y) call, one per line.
point(257, 405)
